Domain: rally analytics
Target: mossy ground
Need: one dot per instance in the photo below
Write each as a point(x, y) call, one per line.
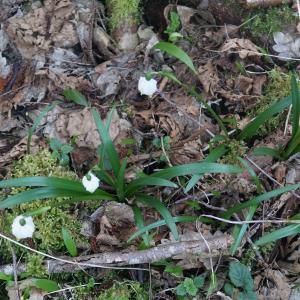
point(47, 236)
point(264, 22)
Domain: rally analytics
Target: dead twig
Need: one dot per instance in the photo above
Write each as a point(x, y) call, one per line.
point(113, 259)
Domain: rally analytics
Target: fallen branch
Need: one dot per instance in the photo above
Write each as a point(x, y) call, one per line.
point(112, 259)
point(265, 3)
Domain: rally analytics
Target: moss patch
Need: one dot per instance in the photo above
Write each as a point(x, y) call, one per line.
point(278, 87)
point(123, 11)
point(269, 20)
point(47, 236)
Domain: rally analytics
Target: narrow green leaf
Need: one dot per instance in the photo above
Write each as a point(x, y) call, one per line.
point(196, 168)
point(104, 176)
point(278, 234)
point(295, 105)
point(107, 142)
point(48, 192)
point(173, 50)
point(266, 151)
point(5, 277)
point(251, 129)
point(293, 145)
point(139, 220)
point(69, 242)
point(241, 230)
point(138, 183)
point(161, 223)
point(170, 76)
point(156, 204)
point(213, 156)
point(36, 122)
point(76, 97)
point(121, 180)
point(53, 182)
point(257, 200)
point(45, 284)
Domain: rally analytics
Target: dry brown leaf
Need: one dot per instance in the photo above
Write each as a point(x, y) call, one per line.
point(244, 84)
point(208, 77)
point(244, 47)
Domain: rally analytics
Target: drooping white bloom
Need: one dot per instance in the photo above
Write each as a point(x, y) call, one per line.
point(22, 227)
point(90, 182)
point(147, 87)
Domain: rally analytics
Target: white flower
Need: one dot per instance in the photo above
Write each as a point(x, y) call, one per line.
point(22, 227)
point(90, 182)
point(147, 87)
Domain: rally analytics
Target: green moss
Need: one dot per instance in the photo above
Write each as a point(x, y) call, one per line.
point(47, 236)
point(34, 266)
point(235, 149)
point(277, 88)
point(127, 290)
point(269, 20)
point(123, 11)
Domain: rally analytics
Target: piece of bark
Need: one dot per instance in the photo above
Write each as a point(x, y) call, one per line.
point(265, 3)
point(111, 259)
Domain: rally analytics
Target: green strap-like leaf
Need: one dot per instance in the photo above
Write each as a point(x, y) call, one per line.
point(295, 105)
point(266, 151)
point(293, 145)
point(121, 180)
point(69, 242)
point(45, 284)
point(173, 50)
point(251, 129)
point(76, 97)
point(139, 220)
point(163, 222)
point(197, 168)
point(107, 143)
point(136, 184)
point(47, 192)
point(213, 156)
point(257, 200)
point(156, 204)
point(53, 182)
point(278, 234)
point(239, 231)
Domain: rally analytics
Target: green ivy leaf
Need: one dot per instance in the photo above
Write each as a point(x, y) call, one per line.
point(199, 282)
point(174, 270)
point(240, 276)
point(190, 286)
point(228, 289)
point(248, 295)
point(180, 290)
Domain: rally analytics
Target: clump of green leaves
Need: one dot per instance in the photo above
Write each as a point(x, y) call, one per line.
point(241, 286)
point(60, 151)
point(173, 27)
point(189, 287)
point(269, 20)
point(162, 143)
point(34, 266)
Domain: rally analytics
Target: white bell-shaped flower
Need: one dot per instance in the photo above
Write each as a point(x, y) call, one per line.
point(90, 182)
point(147, 87)
point(22, 227)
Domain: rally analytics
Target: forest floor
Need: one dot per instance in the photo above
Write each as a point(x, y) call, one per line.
point(226, 78)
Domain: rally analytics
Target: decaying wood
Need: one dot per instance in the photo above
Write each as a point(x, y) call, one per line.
point(265, 3)
point(112, 259)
